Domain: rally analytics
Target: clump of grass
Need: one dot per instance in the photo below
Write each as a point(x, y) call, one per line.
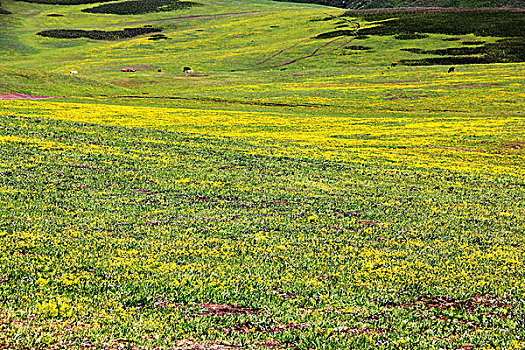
point(158, 37)
point(475, 42)
point(97, 34)
point(357, 47)
point(136, 7)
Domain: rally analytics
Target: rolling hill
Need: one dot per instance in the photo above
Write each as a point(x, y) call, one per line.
point(255, 174)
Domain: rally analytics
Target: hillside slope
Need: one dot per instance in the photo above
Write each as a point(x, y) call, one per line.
point(2, 11)
point(370, 4)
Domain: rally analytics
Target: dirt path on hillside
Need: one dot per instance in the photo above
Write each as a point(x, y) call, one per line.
point(199, 17)
point(19, 96)
point(280, 52)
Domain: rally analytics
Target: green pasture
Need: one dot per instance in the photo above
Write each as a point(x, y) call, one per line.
point(297, 190)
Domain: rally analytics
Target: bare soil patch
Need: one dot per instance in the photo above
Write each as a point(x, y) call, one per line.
point(19, 96)
point(446, 302)
point(221, 310)
point(514, 146)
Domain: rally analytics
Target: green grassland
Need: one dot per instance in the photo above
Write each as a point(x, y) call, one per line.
point(295, 191)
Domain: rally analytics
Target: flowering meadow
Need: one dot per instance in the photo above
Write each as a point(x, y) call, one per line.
point(337, 202)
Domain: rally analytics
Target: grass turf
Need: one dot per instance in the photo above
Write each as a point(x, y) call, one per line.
point(349, 204)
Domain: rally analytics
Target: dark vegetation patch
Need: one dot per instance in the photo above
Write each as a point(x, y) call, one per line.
point(55, 15)
point(417, 24)
point(411, 36)
point(502, 51)
point(156, 37)
point(447, 60)
point(453, 51)
point(478, 22)
point(137, 7)
point(478, 42)
point(97, 34)
point(336, 33)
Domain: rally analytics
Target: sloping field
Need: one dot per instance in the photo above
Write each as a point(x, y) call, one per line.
point(299, 186)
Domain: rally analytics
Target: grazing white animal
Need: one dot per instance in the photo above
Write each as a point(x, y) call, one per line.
point(73, 72)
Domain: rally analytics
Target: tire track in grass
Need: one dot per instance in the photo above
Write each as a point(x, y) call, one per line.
point(281, 51)
point(314, 53)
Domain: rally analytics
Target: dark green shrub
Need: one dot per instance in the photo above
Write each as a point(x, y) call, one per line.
point(97, 34)
point(447, 61)
point(473, 42)
point(453, 51)
point(336, 33)
point(357, 47)
point(158, 37)
point(136, 7)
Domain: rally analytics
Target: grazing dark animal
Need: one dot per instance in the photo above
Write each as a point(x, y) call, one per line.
point(159, 70)
point(187, 70)
point(394, 64)
point(451, 69)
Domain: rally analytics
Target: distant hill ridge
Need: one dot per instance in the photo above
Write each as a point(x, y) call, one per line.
point(374, 4)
